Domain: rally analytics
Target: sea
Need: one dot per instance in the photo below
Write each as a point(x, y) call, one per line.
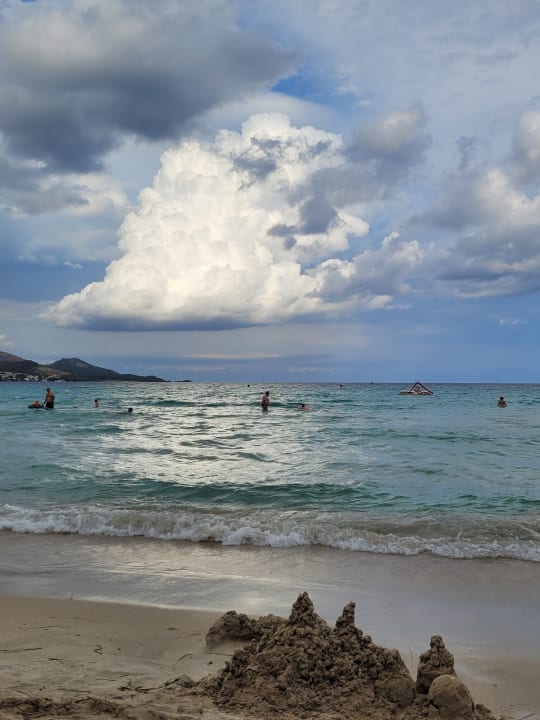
point(364, 469)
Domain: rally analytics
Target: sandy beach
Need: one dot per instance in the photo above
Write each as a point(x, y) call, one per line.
point(133, 652)
point(61, 650)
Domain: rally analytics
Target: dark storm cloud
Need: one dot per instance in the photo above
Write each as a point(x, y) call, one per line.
point(74, 81)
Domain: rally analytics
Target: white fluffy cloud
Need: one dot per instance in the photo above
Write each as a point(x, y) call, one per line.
point(267, 225)
point(229, 235)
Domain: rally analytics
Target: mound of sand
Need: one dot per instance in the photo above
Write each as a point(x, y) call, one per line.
point(301, 667)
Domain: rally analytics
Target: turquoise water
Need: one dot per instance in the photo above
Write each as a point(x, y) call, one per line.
point(365, 469)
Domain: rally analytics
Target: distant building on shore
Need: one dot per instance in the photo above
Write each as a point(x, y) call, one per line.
point(24, 377)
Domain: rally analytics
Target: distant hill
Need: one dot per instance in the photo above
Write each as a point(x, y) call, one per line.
point(72, 369)
point(14, 364)
point(7, 357)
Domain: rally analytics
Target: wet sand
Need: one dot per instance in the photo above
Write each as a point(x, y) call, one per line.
point(152, 604)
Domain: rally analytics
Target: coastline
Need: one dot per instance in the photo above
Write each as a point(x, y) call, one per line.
point(486, 610)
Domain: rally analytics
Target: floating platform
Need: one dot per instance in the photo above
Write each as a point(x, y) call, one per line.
point(417, 389)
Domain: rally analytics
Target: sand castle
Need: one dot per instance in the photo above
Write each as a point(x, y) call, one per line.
point(301, 667)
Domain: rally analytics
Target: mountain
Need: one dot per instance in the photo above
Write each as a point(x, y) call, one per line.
point(7, 357)
point(72, 369)
point(15, 364)
point(81, 370)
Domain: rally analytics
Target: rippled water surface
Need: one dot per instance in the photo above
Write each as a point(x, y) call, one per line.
point(364, 469)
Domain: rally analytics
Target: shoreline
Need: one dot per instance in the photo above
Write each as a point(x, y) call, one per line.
point(487, 611)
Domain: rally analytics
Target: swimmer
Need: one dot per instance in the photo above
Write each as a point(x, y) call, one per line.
point(35, 404)
point(96, 403)
point(302, 406)
point(502, 402)
point(265, 400)
point(49, 399)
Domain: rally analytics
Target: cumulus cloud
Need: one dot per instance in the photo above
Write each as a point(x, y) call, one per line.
point(491, 211)
point(229, 235)
point(499, 252)
point(373, 276)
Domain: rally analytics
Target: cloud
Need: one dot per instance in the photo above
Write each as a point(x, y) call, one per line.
point(27, 189)
point(270, 224)
point(526, 147)
point(373, 276)
point(380, 160)
point(499, 253)
point(229, 236)
point(392, 145)
point(78, 77)
point(490, 217)
point(468, 149)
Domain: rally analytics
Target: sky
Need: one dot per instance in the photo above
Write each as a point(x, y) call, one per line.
point(285, 191)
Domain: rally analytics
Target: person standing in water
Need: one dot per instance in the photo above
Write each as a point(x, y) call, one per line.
point(49, 399)
point(502, 402)
point(265, 400)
